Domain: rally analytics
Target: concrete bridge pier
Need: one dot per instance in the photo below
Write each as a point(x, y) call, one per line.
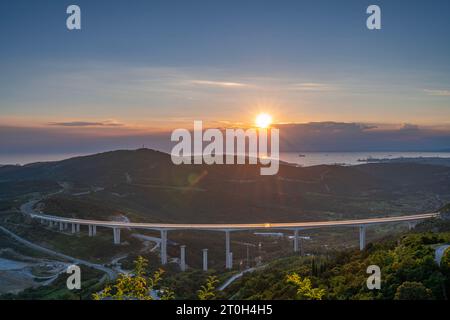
point(92, 230)
point(362, 237)
point(228, 255)
point(296, 240)
point(78, 227)
point(116, 233)
point(163, 247)
point(412, 225)
point(183, 258)
point(61, 226)
point(205, 259)
point(73, 228)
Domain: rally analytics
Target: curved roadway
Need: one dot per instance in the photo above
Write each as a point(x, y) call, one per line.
point(236, 226)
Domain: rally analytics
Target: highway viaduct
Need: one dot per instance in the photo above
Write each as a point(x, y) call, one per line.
point(227, 228)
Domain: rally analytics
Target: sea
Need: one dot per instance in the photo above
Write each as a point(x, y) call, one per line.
point(305, 159)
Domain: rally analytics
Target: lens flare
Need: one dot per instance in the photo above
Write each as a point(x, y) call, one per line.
point(263, 120)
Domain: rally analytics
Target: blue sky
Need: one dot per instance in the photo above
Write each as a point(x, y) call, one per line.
point(153, 65)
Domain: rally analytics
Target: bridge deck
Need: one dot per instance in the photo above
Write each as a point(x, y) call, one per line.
point(237, 226)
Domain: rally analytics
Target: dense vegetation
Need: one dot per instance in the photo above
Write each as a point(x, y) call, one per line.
point(136, 285)
point(145, 185)
point(408, 271)
point(142, 285)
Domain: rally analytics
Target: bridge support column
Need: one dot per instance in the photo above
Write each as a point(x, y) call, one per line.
point(163, 247)
point(92, 230)
point(61, 226)
point(183, 258)
point(78, 227)
point(296, 240)
point(50, 223)
point(412, 225)
point(231, 260)
point(205, 259)
point(362, 237)
point(116, 233)
point(73, 228)
point(228, 257)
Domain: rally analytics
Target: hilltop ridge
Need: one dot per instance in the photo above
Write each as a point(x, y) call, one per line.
point(145, 183)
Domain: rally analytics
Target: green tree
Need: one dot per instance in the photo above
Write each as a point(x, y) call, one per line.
point(305, 291)
point(135, 286)
point(208, 291)
point(412, 291)
point(445, 261)
point(445, 269)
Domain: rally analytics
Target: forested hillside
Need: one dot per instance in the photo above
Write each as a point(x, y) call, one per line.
point(408, 270)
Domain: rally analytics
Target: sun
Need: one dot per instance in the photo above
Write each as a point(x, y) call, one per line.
point(263, 120)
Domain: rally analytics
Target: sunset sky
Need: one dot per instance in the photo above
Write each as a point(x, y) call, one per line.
point(143, 67)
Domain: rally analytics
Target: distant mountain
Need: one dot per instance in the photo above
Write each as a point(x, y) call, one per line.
point(146, 185)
